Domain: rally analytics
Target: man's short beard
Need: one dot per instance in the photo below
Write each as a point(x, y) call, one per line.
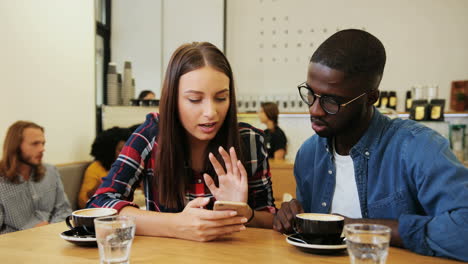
point(22, 160)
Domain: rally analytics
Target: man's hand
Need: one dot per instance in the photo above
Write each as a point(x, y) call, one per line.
point(284, 218)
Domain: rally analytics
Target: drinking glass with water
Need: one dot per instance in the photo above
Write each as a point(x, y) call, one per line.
point(367, 243)
point(114, 237)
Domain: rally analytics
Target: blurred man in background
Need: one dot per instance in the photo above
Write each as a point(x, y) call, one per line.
point(31, 193)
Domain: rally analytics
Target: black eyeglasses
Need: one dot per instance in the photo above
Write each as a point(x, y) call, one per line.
point(328, 103)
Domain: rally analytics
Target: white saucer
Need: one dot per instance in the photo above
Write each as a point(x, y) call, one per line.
point(316, 248)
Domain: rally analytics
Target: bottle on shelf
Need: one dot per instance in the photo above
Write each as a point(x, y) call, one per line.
point(419, 110)
point(247, 104)
point(436, 110)
point(240, 104)
point(119, 87)
point(392, 100)
point(408, 101)
point(418, 92)
point(127, 88)
point(457, 140)
point(383, 99)
point(432, 92)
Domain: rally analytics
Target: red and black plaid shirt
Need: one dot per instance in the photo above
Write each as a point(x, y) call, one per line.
point(136, 163)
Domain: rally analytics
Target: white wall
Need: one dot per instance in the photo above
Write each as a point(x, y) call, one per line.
point(146, 32)
point(136, 37)
point(188, 21)
point(47, 73)
point(269, 43)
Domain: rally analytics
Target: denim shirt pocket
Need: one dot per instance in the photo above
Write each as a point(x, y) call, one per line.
point(391, 206)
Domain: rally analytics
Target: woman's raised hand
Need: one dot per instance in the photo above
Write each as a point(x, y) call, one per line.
point(196, 223)
point(233, 183)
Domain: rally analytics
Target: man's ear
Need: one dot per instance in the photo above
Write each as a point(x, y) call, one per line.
point(372, 97)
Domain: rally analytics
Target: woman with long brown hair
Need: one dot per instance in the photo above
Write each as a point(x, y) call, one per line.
point(275, 139)
point(190, 153)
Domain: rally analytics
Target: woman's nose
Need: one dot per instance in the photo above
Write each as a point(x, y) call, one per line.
point(209, 110)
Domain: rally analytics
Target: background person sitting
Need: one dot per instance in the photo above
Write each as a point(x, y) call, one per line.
point(146, 95)
point(31, 192)
point(105, 150)
point(275, 139)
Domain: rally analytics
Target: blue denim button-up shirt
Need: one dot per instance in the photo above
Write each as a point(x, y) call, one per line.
point(404, 171)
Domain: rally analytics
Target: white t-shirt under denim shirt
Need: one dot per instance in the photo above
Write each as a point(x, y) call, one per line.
point(345, 198)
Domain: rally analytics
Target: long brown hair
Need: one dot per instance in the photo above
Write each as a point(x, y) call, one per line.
point(173, 153)
point(271, 111)
point(11, 159)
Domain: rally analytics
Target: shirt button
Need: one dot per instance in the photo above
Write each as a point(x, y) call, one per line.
point(324, 204)
point(199, 180)
point(367, 153)
point(330, 172)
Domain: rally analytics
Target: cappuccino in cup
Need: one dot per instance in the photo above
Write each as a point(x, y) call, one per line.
point(319, 228)
point(84, 218)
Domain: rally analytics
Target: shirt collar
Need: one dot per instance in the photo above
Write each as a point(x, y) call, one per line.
point(368, 141)
point(373, 134)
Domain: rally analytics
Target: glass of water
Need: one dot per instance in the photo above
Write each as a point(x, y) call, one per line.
point(367, 243)
point(114, 235)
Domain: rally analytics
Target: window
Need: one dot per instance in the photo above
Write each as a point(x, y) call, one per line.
point(102, 54)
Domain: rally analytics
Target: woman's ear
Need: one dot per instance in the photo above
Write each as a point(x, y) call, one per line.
point(372, 97)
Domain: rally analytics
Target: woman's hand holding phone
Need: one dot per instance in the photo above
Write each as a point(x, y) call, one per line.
point(233, 183)
point(196, 223)
point(241, 208)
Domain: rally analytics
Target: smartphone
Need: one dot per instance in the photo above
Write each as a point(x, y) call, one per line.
point(242, 209)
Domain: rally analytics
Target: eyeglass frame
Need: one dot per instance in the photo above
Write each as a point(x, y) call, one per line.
point(305, 85)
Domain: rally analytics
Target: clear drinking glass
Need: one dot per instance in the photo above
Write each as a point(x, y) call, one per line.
point(367, 243)
point(114, 235)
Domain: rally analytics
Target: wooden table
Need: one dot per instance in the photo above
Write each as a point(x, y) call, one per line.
point(44, 245)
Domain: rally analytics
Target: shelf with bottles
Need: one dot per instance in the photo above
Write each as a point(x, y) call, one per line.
point(287, 103)
point(449, 114)
point(423, 103)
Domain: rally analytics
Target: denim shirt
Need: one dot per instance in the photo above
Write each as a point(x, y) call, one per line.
point(404, 171)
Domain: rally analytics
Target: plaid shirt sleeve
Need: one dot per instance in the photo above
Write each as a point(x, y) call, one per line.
point(134, 161)
point(258, 169)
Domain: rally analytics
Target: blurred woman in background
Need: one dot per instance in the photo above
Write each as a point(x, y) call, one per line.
point(105, 150)
point(275, 139)
point(146, 95)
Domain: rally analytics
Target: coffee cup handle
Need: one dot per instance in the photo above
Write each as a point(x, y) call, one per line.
point(67, 220)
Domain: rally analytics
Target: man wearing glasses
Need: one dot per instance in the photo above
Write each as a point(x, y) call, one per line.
point(369, 168)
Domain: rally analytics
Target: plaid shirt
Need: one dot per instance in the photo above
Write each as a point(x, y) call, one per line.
point(136, 163)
